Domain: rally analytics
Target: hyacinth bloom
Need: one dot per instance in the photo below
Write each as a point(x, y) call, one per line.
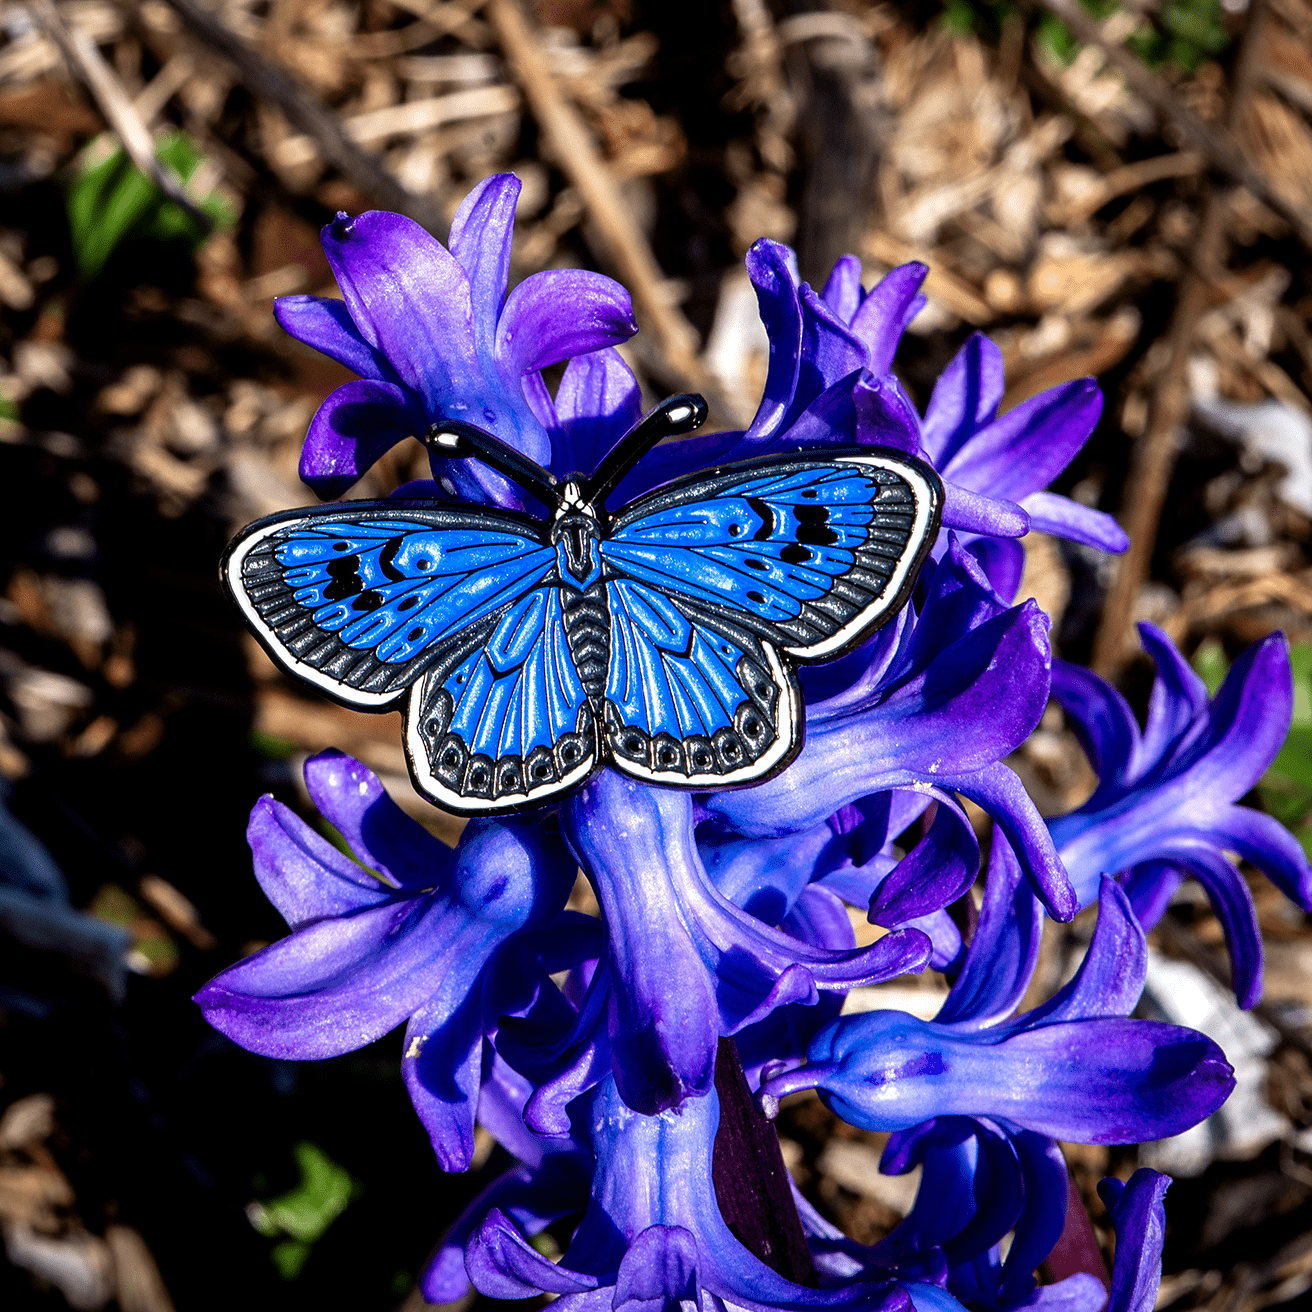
point(588, 1046)
point(367, 951)
point(1165, 803)
point(433, 335)
point(989, 1161)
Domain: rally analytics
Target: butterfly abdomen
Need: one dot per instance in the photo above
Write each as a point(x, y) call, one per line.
point(587, 630)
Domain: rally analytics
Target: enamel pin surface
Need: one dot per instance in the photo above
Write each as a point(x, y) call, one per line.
point(660, 638)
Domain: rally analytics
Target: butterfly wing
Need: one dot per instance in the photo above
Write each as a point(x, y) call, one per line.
point(812, 552)
point(720, 573)
point(503, 719)
point(361, 601)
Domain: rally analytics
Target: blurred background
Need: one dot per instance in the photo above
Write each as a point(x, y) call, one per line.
point(1119, 190)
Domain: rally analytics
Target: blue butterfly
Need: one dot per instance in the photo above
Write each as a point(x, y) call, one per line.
point(659, 639)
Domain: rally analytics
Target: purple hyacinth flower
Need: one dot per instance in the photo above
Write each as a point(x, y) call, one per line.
point(1165, 803)
point(1073, 1069)
point(404, 939)
point(652, 1237)
point(434, 335)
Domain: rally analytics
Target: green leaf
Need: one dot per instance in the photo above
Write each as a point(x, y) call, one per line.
point(111, 201)
point(306, 1211)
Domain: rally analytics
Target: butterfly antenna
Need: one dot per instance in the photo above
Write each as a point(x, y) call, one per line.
point(455, 439)
point(674, 415)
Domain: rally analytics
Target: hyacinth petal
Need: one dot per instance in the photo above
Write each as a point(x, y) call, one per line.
point(1090, 1081)
point(882, 317)
point(1003, 563)
point(1265, 842)
point(663, 1018)
point(501, 1264)
point(1064, 518)
point(958, 600)
point(1178, 700)
point(1000, 792)
point(843, 292)
point(1078, 1293)
point(598, 402)
point(659, 1271)
point(884, 414)
point(1232, 901)
point(830, 351)
point(1025, 449)
point(1249, 720)
point(1103, 722)
point(1138, 1213)
point(918, 736)
point(481, 236)
point(936, 872)
point(353, 800)
point(1110, 978)
point(333, 985)
point(931, 1298)
point(965, 398)
point(357, 424)
point(301, 872)
point(1042, 1217)
point(441, 1065)
point(410, 300)
point(531, 1200)
point(773, 271)
point(1150, 886)
point(560, 313)
point(973, 512)
point(326, 324)
point(1003, 951)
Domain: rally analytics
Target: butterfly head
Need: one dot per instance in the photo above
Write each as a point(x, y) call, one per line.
point(575, 534)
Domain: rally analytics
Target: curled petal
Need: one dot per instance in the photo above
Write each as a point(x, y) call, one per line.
point(301, 872)
point(884, 414)
point(1265, 842)
point(501, 1264)
point(965, 398)
point(1042, 1217)
point(843, 292)
point(441, 1065)
point(1064, 518)
point(357, 424)
point(561, 313)
point(480, 240)
point(326, 324)
point(885, 313)
point(1104, 723)
point(830, 351)
point(1003, 563)
point(351, 798)
point(1025, 449)
point(1003, 951)
point(936, 872)
point(659, 1272)
point(598, 401)
point(1139, 1215)
point(773, 271)
point(1178, 702)
point(973, 512)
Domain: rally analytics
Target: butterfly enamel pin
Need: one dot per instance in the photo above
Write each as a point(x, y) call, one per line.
point(660, 638)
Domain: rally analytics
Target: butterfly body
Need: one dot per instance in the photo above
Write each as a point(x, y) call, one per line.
point(659, 639)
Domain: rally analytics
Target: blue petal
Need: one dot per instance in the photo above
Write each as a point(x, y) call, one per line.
point(326, 324)
point(481, 237)
point(357, 424)
point(1139, 1215)
point(965, 398)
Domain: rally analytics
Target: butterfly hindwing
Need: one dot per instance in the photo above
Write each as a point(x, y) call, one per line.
point(360, 601)
point(811, 552)
point(692, 700)
point(504, 718)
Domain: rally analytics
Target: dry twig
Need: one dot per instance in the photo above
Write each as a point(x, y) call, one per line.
point(117, 107)
point(1221, 149)
point(268, 82)
point(576, 154)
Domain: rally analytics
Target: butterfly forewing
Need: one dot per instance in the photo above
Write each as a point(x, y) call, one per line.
point(811, 551)
point(360, 601)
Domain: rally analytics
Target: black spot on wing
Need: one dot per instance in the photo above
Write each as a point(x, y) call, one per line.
point(344, 571)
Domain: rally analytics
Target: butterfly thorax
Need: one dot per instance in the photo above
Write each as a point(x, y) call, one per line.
point(576, 534)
